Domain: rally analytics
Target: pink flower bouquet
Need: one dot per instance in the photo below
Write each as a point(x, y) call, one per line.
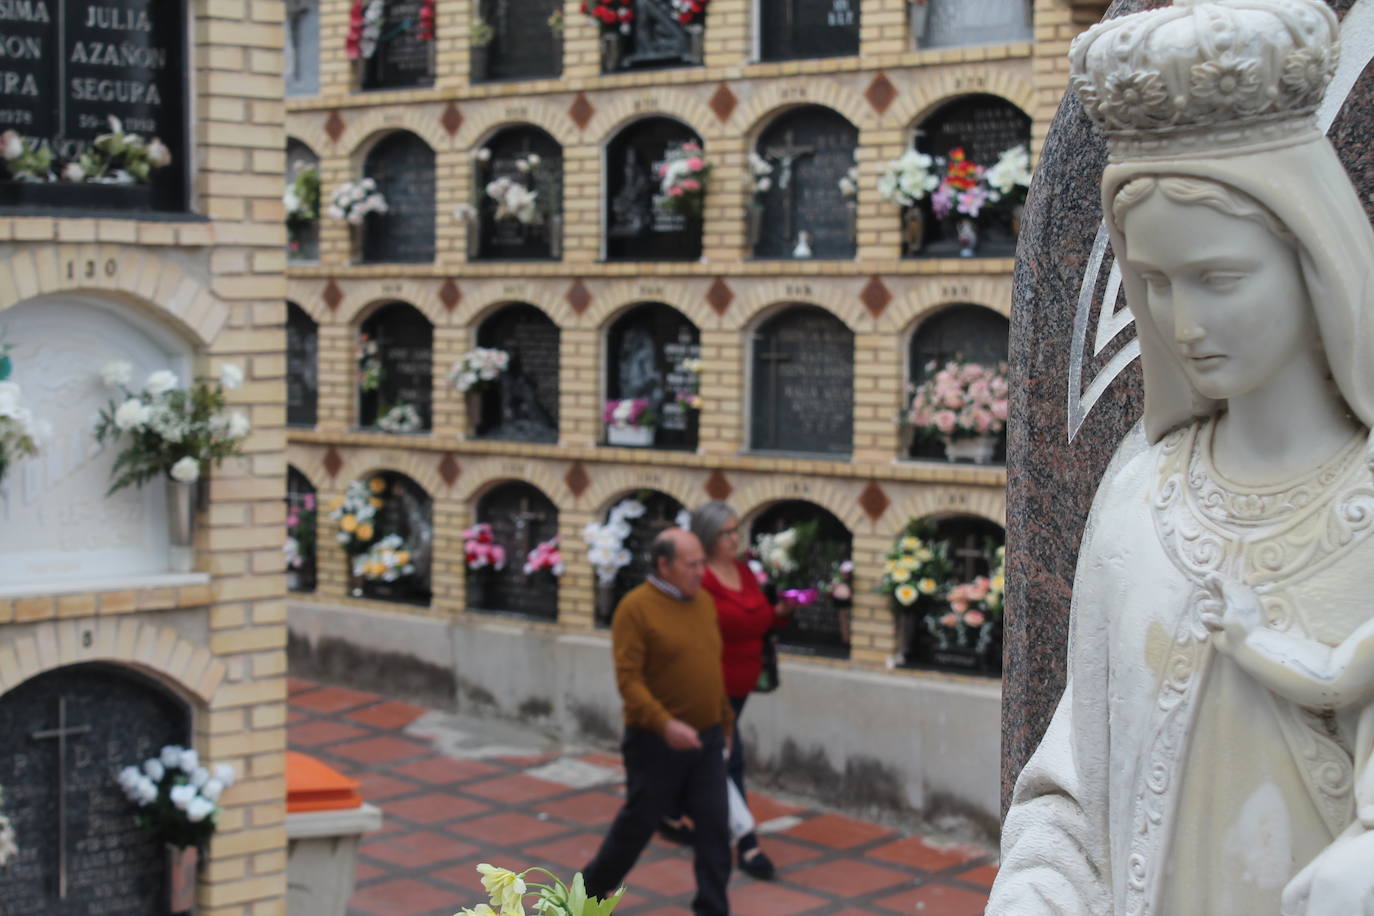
point(480, 549)
point(960, 400)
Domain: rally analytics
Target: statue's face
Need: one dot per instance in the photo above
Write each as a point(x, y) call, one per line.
point(1224, 291)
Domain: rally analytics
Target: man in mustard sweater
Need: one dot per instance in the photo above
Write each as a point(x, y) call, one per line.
point(666, 645)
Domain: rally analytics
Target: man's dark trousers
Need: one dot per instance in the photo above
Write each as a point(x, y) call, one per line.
point(657, 779)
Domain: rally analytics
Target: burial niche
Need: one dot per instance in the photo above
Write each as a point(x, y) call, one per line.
point(803, 384)
point(953, 23)
point(820, 622)
point(395, 370)
point(68, 732)
point(405, 539)
point(301, 515)
point(983, 126)
point(514, 162)
point(660, 511)
point(404, 56)
point(521, 518)
point(302, 62)
point(796, 29)
point(302, 200)
point(638, 228)
point(970, 333)
point(945, 637)
point(652, 353)
point(658, 37)
point(302, 367)
point(516, 40)
point(808, 211)
point(403, 166)
point(523, 404)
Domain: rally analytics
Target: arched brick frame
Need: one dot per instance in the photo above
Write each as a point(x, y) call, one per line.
point(141, 278)
point(157, 651)
point(922, 97)
point(302, 471)
point(678, 105)
point(616, 298)
point(611, 488)
point(310, 147)
point(933, 502)
point(767, 299)
point(840, 500)
point(421, 467)
point(309, 460)
point(771, 101)
point(925, 298)
point(485, 120)
point(552, 305)
point(366, 296)
point(308, 293)
point(308, 127)
point(480, 476)
point(370, 125)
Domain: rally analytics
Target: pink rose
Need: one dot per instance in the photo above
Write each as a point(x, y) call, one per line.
point(690, 184)
point(959, 605)
point(982, 419)
point(999, 409)
point(675, 191)
point(696, 164)
point(944, 421)
point(974, 618)
point(309, 502)
point(841, 592)
point(953, 401)
point(949, 620)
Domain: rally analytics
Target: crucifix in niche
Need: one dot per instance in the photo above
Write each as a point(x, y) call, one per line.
point(523, 531)
point(772, 359)
point(786, 155)
point(60, 734)
point(972, 556)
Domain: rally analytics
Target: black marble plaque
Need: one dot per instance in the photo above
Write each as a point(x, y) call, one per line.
point(302, 503)
point(637, 229)
point(302, 366)
point(822, 627)
point(68, 65)
point(302, 63)
point(302, 236)
point(970, 332)
point(521, 518)
point(660, 512)
point(523, 45)
point(408, 511)
point(509, 239)
point(523, 405)
point(803, 397)
point(67, 734)
point(646, 348)
point(405, 342)
point(403, 166)
point(403, 60)
point(810, 149)
point(795, 29)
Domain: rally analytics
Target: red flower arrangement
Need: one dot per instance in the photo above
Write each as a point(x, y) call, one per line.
point(427, 20)
point(365, 26)
point(612, 14)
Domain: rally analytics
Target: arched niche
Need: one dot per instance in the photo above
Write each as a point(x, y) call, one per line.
point(301, 550)
point(523, 404)
point(649, 350)
point(533, 160)
point(802, 384)
point(302, 63)
point(521, 517)
point(972, 545)
point(963, 331)
point(806, 213)
point(983, 126)
point(402, 164)
point(396, 347)
point(302, 232)
point(660, 512)
point(637, 227)
point(798, 29)
point(954, 23)
point(302, 367)
point(57, 525)
point(521, 43)
point(70, 730)
point(404, 58)
point(407, 512)
point(821, 627)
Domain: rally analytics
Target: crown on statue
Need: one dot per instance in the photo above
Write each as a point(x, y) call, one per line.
point(1206, 74)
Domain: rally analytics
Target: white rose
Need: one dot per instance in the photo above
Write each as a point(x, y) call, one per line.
point(186, 470)
point(154, 769)
point(117, 372)
point(189, 761)
point(199, 809)
point(13, 144)
point(181, 795)
point(10, 398)
point(200, 777)
point(230, 376)
point(147, 792)
point(483, 155)
point(158, 153)
point(239, 426)
point(224, 774)
point(129, 415)
point(73, 171)
point(160, 381)
point(128, 779)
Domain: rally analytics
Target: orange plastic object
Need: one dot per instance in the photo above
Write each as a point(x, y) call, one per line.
point(315, 786)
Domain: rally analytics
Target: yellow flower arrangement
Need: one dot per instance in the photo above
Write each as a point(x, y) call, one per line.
point(364, 531)
point(348, 523)
point(507, 890)
point(916, 567)
point(906, 594)
point(376, 485)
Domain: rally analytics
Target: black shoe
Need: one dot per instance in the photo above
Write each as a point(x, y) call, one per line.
point(755, 863)
point(676, 832)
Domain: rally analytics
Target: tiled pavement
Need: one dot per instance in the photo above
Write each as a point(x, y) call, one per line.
point(451, 799)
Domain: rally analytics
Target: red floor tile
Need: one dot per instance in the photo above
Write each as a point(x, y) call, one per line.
point(569, 853)
point(363, 873)
point(659, 911)
point(318, 732)
point(506, 829)
point(294, 716)
point(402, 897)
point(433, 807)
point(414, 850)
point(668, 877)
point(918, 853)
point(836, 831)
point(590, 808)
point(614, 761)
point(378, 786)
point(846, 877)
point(332, 699)
point(785, 853)
point(446, 770)
point(296, 685)
point(391, 714)
point(937, 900)
point(765, 808)
point(983, 874)
point(768, 899)
point(378, 750)
point(514, 789)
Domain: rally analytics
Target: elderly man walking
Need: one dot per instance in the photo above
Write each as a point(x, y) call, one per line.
point(666, 646)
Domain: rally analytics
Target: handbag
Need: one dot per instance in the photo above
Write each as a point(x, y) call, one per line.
point(768, 677)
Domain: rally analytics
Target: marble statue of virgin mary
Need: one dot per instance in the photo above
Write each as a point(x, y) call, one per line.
point(1211, 753)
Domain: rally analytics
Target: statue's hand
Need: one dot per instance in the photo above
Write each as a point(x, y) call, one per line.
point(1232, 610)
point(1338, 882)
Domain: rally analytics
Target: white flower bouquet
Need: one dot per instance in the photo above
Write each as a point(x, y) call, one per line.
point(386, 561)
point(478, 369)
point(403, 418)
point(909, 178)
point(606, 542)
point(168, 429)
point(849, 182)
point(352, 201)
point(515, 201)
point(177, 797)
point(760, 178)
point(20, 433)
point(1009, 178)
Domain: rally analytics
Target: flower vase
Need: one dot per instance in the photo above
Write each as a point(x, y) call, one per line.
point(907, 620)
point(182, 865)
point(472, 403)
point(696, 42)
point(918, 12)
point(181, 525)
point(906, 440)
point(754, 225)
point(610, 52)
point(978, 449)
point(472, 235)
point(968, 237)
point(355, 242)
point(556, 236)
point(913, 231)
point(634, 436)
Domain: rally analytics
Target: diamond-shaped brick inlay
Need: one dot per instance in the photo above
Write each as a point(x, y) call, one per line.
point(720, 295)
point(723, 102)
point(452, 118)
point(581, 111)
point(333, 462)
point(875, 296)
point(577, 479)
point(874, 501)
point(449, 468)
point(718, 486)
point(450, 295)
point(332, 295)
point(334, 125)
point(579, 297)
point(880, 93)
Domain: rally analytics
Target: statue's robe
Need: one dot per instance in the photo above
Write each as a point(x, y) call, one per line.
point(1170, 782)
